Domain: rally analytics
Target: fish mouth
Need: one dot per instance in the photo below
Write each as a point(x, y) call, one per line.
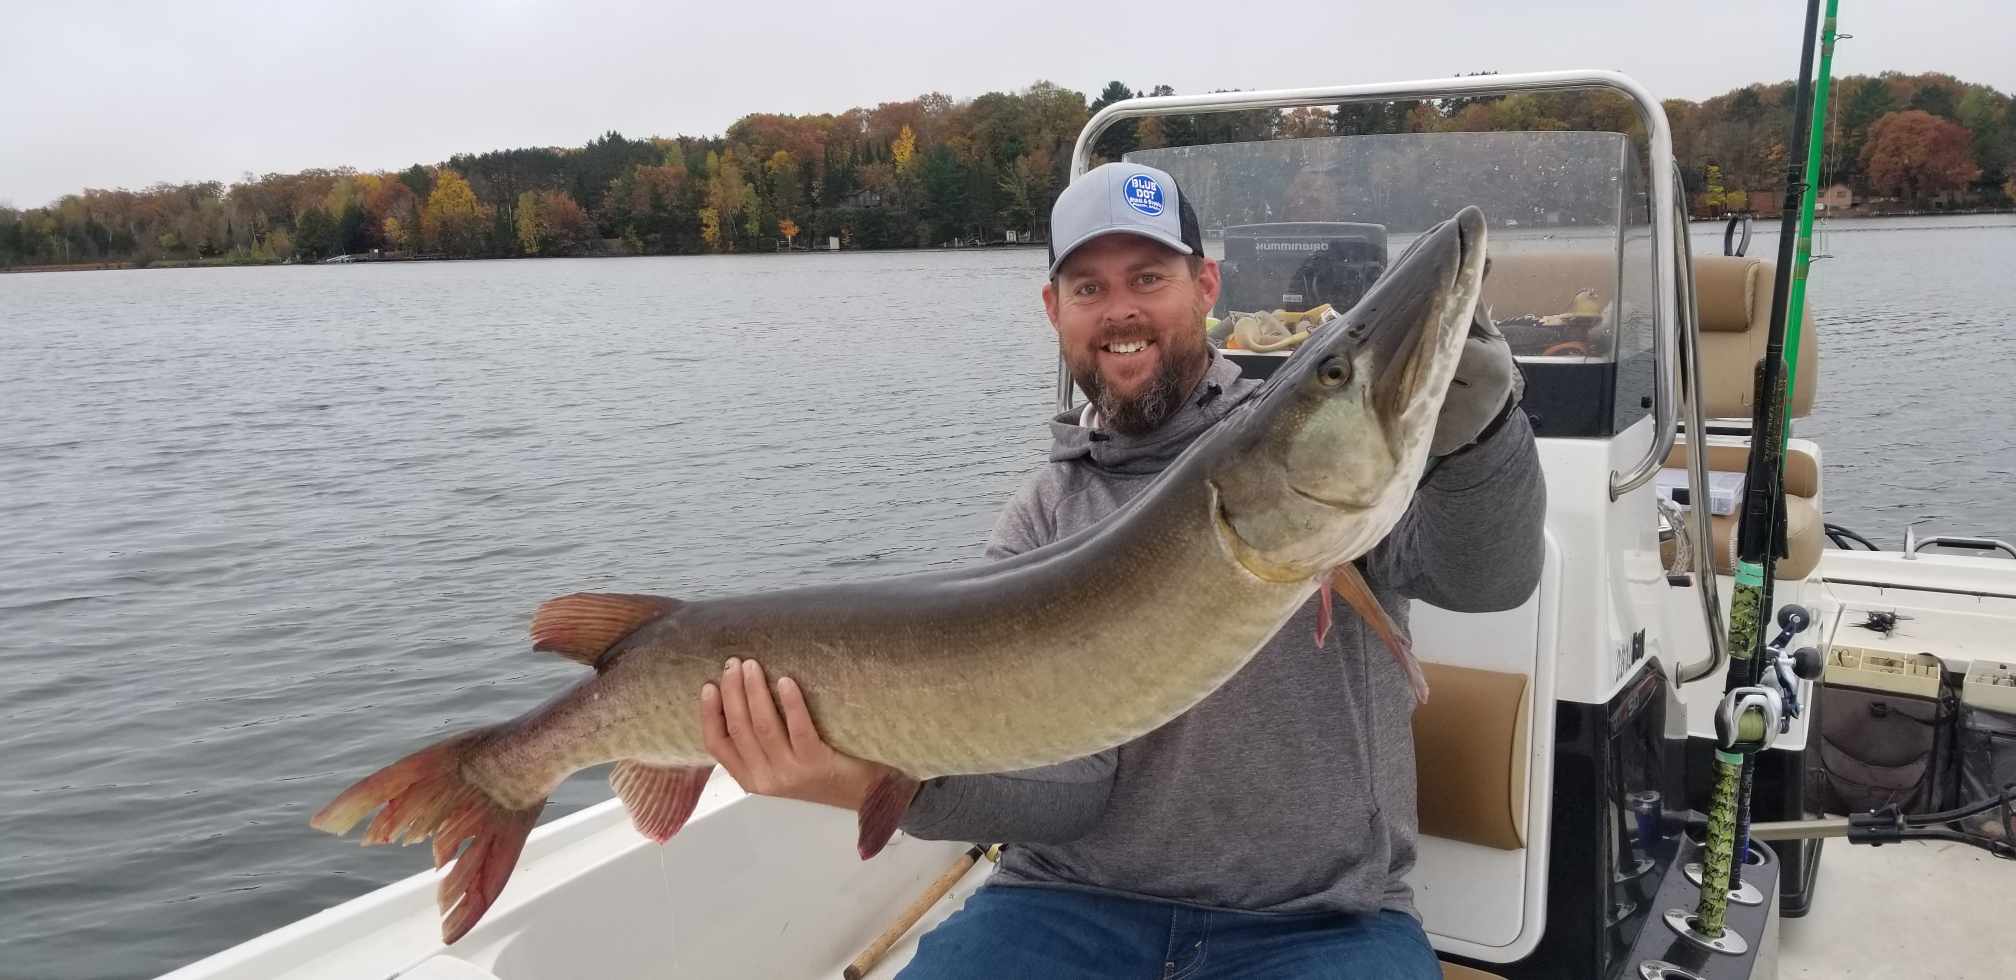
point(1404, 339)
point(1431, 296)
point(1333, 504)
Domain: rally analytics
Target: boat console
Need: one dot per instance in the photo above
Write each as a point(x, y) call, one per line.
point(1555, 751)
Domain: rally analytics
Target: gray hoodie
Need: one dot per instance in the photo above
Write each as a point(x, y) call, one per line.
point(1291, 787)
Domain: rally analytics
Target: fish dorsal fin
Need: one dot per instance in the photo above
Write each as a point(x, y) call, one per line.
point(583, 626)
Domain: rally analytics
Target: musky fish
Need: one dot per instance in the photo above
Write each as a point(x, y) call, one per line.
point(1052, 655)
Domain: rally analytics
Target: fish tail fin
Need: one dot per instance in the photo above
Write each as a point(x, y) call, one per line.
point(427, 795)
point(1357, 593)
point(659, 798)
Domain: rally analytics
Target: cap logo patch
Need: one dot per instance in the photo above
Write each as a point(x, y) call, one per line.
point(1143, 194)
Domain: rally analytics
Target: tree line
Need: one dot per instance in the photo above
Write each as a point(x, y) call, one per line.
point(933, 170)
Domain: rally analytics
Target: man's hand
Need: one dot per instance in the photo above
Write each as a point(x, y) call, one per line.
point(778, 754)
point(1486, 388)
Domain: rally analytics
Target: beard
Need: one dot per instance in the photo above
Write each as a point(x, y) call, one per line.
point(1145, 412)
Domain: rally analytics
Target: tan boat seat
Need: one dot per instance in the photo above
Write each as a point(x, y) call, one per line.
point(1470, 756)
point(1735, 299)
point(1804, 535)
point(1522, 284)
point(1457, 971)
point(1734, 295)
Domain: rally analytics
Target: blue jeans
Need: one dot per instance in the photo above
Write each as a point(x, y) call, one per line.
point(1062, 934)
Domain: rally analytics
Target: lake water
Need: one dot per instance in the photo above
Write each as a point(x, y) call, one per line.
point(267, 529)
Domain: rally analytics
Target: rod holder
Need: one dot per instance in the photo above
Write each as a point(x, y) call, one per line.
point(1744, 893)
point(1730, 942)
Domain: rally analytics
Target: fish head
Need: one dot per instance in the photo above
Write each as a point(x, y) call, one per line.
point(1328, 454)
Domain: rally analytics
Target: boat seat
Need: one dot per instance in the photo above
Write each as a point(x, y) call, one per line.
point(1805, 538)
point(1470, 756)
point(1734, 295)
point(1543, 284)
point(1457, 971)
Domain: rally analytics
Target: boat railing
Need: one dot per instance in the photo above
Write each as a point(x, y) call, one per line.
point(1913, 543)
point(1705, 582)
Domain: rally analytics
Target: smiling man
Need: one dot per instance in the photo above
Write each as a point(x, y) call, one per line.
point(1267, 831)
point(1129, 315)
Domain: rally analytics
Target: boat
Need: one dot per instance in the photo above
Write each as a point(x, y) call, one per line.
point(1563, 761)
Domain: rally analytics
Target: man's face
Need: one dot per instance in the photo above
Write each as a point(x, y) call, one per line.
point(1129, 316)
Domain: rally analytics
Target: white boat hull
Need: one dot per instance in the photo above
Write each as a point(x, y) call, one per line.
point(750, 887)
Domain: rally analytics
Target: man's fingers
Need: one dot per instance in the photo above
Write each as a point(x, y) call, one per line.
point(735, 704)
point(714, 731)
point(805, 740)
point(763, 720)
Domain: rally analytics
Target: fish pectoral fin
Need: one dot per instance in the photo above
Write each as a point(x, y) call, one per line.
point(882, 810)
point(659, 798)
point(583, 626)
point(1357, 593)
point(1323, 611)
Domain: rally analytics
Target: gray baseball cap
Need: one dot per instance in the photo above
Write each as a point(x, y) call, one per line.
point(1122, 197)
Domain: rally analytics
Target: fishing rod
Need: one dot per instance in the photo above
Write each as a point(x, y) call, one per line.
point(1747, 718)
point(1795, 305)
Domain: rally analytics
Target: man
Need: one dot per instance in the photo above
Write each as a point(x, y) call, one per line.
point(1265, 832)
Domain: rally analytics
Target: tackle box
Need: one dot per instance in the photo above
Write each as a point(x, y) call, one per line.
point(1990, 685)
point(1917, 675)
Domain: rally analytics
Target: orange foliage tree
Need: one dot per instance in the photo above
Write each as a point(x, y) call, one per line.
point(1914, 154)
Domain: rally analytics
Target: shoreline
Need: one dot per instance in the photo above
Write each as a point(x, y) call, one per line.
point(126, 266)
point(1780, 216)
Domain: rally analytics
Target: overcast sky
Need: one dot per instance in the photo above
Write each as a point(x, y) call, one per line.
point(102, 93)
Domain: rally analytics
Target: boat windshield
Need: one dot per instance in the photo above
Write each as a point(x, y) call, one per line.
point(1301, 224)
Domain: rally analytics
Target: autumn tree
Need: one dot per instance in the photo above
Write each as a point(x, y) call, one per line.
point(903, 152)
point(933, 168)
point(564, 225)
point(1026, 187)
point(389, 204)
point(1721, 198)
point(401, 234)
point(527, 222)
point(277, 245)
point(454, 221)
point(710, 227)
point(649, 206)
point(1915, 154)
point(727, 196)
point(783, 192)
point(1306, 122)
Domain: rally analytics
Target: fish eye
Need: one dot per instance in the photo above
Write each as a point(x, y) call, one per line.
point(1333, 371)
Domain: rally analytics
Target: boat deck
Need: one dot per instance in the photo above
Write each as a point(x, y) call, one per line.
point(1927, 910)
